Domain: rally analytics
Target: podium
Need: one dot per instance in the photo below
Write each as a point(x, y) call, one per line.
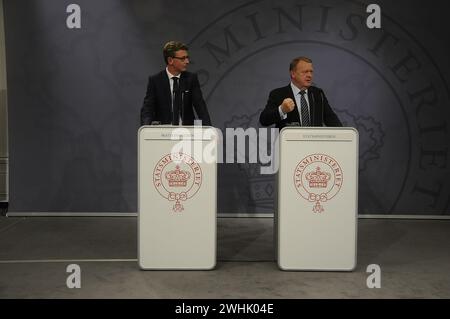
point(316, 222)
point(177, 186)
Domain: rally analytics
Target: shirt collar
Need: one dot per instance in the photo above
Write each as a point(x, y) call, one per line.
point(170, 75)
point(296, 90)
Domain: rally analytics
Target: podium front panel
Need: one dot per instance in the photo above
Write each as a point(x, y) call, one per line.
point(177, 198)
point(317, 202)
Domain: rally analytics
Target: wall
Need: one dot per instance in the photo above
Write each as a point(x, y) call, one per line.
point(75, 94)
point(3, 116)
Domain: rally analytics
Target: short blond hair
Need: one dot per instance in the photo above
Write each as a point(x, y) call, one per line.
point(295, 61)
point(171, 47)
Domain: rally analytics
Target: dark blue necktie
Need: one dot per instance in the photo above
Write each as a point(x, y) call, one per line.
point(304, 110)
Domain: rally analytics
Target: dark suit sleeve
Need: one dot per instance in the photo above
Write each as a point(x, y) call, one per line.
point(270, 113)
point(329, 117)
point(198, 102)
point(149, 107)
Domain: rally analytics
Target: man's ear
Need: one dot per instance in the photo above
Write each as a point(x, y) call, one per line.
point(169, 60)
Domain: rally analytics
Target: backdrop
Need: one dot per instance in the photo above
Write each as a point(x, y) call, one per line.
point(74, 95)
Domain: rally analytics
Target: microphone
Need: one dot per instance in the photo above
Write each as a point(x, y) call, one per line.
point(182, 107)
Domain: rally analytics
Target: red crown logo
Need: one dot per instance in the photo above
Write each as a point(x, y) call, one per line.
point(318, 179)
point(177, 177)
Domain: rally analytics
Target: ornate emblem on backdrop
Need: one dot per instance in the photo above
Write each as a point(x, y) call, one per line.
point(376, 99)
point(371, 134)
point(261, 188)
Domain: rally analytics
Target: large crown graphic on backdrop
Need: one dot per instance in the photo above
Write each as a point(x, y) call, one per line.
point(318, 179)
point(177, 177)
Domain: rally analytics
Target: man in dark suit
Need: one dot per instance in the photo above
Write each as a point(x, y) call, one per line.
point(299, 102)
point(173, 94)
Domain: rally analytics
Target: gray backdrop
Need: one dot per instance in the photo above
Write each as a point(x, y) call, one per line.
point(75, 95)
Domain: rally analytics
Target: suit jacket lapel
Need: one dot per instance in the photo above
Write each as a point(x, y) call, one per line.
point(166, 88)
point(312, 107)
point(183, 82)
point(183, 86)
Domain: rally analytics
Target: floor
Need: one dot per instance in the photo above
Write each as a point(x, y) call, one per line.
point(413, 255)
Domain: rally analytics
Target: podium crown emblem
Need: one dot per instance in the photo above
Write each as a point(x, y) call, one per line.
point(177, 177)
point(318, 179)
point(314, 175)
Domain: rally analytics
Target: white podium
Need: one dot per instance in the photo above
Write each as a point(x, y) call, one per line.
point(316, 222)
point(177, 197)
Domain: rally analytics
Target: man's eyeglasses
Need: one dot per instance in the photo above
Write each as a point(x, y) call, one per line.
point(181, 58)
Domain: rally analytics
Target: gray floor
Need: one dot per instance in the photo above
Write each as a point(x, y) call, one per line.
point(414, 256)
